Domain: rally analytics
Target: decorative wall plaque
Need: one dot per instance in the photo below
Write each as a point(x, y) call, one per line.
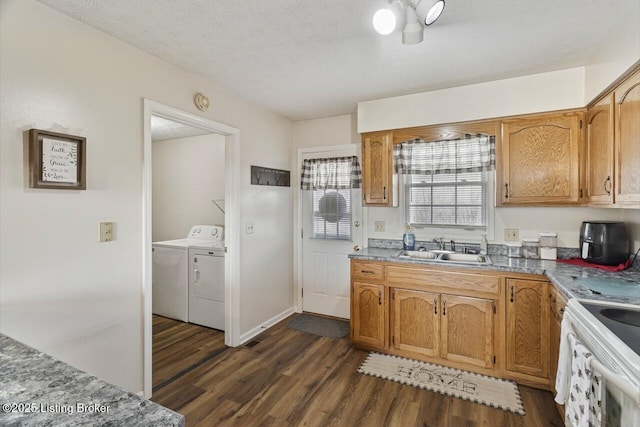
point(56, 160)
point(268, 176)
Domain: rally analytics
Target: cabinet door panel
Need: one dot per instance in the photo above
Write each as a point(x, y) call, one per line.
point(600, 125)
point(527, 327)
point(540, 160)
point(415, 321)
point(368, 314)
point(628, 142)
point(376, 169)
point(467, 330)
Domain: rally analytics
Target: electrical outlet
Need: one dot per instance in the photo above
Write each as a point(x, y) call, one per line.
point(106, 231)
point(248, 228)
point(511, 234)
point(379, 226)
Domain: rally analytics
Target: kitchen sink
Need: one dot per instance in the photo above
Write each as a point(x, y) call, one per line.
point(476, 259)
point(445, 257)
point(419, 254)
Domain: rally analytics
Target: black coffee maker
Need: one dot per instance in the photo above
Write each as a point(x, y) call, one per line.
point(604, 242)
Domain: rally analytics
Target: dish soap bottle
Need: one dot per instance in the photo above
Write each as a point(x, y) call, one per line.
point(483, 245)
point(408, 240)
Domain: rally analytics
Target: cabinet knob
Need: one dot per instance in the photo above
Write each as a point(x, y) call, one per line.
point(379, 297)
point(512, 293)
point(435, 306)
point(506, 191)
point(444, 307)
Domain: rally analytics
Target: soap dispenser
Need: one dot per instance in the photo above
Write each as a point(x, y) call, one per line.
point(484, 245)
point(408, 239)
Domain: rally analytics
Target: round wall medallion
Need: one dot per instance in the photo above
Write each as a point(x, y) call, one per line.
point(201, 101)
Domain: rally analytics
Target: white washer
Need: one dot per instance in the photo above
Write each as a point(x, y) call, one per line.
point(170, 275)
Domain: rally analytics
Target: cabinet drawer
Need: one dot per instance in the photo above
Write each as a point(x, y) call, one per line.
point(444, 279)
point(367, 270)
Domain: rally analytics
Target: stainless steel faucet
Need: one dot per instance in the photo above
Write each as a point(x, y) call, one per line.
point(440, 242)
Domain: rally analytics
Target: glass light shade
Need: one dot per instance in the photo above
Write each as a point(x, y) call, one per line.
point(434, 13)
point(384, 21)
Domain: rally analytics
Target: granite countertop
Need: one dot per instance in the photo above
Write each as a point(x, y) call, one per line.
point(38, 390)
point(566, 277)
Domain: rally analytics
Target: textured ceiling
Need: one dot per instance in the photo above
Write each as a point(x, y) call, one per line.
point(164, 129)
point(315, 58)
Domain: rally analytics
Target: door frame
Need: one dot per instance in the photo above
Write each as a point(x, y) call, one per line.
point(297, 225)
point(231, 219)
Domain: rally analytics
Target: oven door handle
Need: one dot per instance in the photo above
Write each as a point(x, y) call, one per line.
point(617, 380)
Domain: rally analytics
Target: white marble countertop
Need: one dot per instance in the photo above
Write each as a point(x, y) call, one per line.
point(564, 276)
point(38, 390)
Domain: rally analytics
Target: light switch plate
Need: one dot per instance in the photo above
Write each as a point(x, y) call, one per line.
point(248, 228)
point(379, 226)
point(107, 233)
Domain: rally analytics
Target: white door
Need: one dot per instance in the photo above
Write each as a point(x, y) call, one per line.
point(325, 262)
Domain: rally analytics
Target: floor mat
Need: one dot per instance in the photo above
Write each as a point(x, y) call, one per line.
point(482, 389)
point(318, 325)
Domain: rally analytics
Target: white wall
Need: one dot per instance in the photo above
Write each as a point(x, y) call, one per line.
point(60, 290)
point(188, 173)
point(556, 90)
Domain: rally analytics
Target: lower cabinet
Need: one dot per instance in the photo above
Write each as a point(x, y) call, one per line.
point(450, 327)
point(485, 322)
point(415, 321)
point(527, 343)
point(368, 314)
point(467, 330)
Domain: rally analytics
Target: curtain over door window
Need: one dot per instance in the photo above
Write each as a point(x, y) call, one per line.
point(330, 181)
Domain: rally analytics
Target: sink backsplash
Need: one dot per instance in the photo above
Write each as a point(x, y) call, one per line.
point(492, 249)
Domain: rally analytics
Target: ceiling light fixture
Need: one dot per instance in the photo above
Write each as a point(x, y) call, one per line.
point(429, 15)
point(414, 13)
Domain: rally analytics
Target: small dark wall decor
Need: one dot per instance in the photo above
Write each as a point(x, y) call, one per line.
point(268, 176)
point(56, 160)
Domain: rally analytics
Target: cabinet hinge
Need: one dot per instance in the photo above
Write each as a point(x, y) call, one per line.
point(580, 124)
point(581, 193)
point(494, 309)
point(302, 233)
point(393, 340)
point(302, 290)
point(494, 359)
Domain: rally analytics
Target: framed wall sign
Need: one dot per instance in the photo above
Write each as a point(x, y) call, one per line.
point(56, 160)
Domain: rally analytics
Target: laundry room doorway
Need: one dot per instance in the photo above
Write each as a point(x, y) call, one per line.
point(192, 194)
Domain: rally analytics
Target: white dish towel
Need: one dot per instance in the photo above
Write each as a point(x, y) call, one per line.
point(583, 406)
point(563, 376)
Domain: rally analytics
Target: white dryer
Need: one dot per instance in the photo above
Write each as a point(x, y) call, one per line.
point(171, 272)
point(206, 285)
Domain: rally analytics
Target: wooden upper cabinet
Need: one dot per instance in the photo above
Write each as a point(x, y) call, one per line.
point(627, 142)
point(377, 169)
point(599, 148)
point(539, 160)
point(467, 330)
point(528, 327)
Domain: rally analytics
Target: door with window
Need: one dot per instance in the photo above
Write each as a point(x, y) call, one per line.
point(331, 227)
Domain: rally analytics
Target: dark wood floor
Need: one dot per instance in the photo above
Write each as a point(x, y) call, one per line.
point(290, 378)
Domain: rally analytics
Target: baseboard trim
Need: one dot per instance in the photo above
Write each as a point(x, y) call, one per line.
point(247, 336)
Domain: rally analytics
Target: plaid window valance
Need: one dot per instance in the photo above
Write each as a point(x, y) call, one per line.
point(332, 173)
point(474, 153)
